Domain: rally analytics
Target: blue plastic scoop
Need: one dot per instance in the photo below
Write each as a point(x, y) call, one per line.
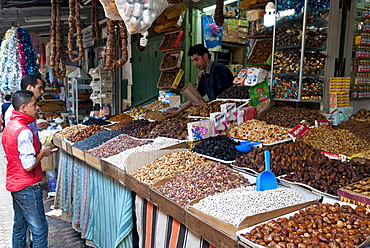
point(266, 180)
point(246, 146)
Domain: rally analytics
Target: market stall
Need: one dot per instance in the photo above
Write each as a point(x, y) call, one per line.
point(166, 178)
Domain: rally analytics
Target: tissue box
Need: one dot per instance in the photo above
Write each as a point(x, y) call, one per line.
point(230, 110)
point(219, 122)
point(199, 130)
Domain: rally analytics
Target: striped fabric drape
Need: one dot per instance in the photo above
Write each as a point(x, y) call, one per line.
point(100, 205)
point(159, 230)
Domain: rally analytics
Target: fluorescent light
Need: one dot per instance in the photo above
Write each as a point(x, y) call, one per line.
point(214, 6)
point(47, 18)
point(35, 25)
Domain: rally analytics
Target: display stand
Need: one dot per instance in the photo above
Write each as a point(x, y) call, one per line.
point(101, 85)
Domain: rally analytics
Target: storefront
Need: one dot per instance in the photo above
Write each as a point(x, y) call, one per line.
point(128, 175)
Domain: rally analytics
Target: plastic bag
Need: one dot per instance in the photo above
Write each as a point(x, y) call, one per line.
point(139, 15)
point(110, 9)
point(212, 34)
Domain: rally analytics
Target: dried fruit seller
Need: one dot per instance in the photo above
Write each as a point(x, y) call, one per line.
point(215, 78)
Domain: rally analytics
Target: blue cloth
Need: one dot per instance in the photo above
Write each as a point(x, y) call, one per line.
point(29, 213)
point(99, 204)
point(215, 80)
point(4, 107)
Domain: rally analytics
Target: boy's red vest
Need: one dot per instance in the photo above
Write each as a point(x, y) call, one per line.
point(17, 177)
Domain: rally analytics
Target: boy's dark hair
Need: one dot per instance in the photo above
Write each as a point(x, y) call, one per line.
point(198, 49)
point(29, 80)
point(21, 97)
point(8, 97)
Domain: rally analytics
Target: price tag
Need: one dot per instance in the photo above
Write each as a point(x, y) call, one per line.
point(299, 131)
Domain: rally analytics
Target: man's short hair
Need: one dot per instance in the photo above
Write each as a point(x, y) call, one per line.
point(198, 49)
point(29, 80)
point(8, 97)
point(21, 97)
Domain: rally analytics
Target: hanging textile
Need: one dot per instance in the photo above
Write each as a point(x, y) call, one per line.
point(159, 230)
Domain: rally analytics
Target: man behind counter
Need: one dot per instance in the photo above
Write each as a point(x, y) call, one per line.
point(215, 78)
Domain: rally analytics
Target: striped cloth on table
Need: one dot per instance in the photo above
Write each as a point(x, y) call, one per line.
point(159, 230)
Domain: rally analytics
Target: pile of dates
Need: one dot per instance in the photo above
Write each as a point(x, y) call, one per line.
point(361, 187)
point(329, 175)
point(363, 115)
point(319, 225)
point(261, 52)
point(175, 127)
point(285, 158)
point(220, 147)
point(288, 36)
point(236, 92)
point(359, 128)
point(138, 128)
point(289, 116)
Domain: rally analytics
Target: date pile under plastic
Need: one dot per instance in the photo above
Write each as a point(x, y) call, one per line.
point(234, 205)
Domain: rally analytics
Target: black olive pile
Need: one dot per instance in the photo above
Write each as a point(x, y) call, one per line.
point(95, 121)
point(97, 139)
point(221, 147)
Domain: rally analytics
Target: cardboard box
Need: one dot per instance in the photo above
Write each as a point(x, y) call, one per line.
point(243, 29)
point(339, 84)
point(232, 22)
point(199, 130)
point(339, 115)
point(349, 196)
point(243, 23)
point(254, 219)
point(176, 56)
point(175, 36)
point(219, 123)
point(170, 80)
point(230, 110)
point(47, 163)
point(232, 32)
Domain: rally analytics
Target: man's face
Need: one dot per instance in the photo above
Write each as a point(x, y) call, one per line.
point(201, 62)
point(31, 108)
point(38, 90)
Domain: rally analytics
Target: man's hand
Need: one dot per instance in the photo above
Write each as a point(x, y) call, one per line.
point(200, 103)
point(172, 112)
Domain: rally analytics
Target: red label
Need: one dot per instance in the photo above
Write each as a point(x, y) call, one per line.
point(325, 123)
point(299, 131)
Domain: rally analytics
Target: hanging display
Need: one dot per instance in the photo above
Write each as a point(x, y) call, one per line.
point(17, 58)
point(74, 20)
point(95, 31)
point(57, 56)
point(109, 61)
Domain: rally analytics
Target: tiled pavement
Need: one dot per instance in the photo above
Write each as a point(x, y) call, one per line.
point(61, 233)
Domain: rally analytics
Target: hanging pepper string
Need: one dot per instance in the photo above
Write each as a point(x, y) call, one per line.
point(109, 61)
point(95, 31)
point(74, 20)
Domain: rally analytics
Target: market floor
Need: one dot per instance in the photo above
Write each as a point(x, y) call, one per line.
point(61, 233)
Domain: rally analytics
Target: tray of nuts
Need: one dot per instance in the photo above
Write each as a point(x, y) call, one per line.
point(326, 219)
point(229, 211)
point(358, 193)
